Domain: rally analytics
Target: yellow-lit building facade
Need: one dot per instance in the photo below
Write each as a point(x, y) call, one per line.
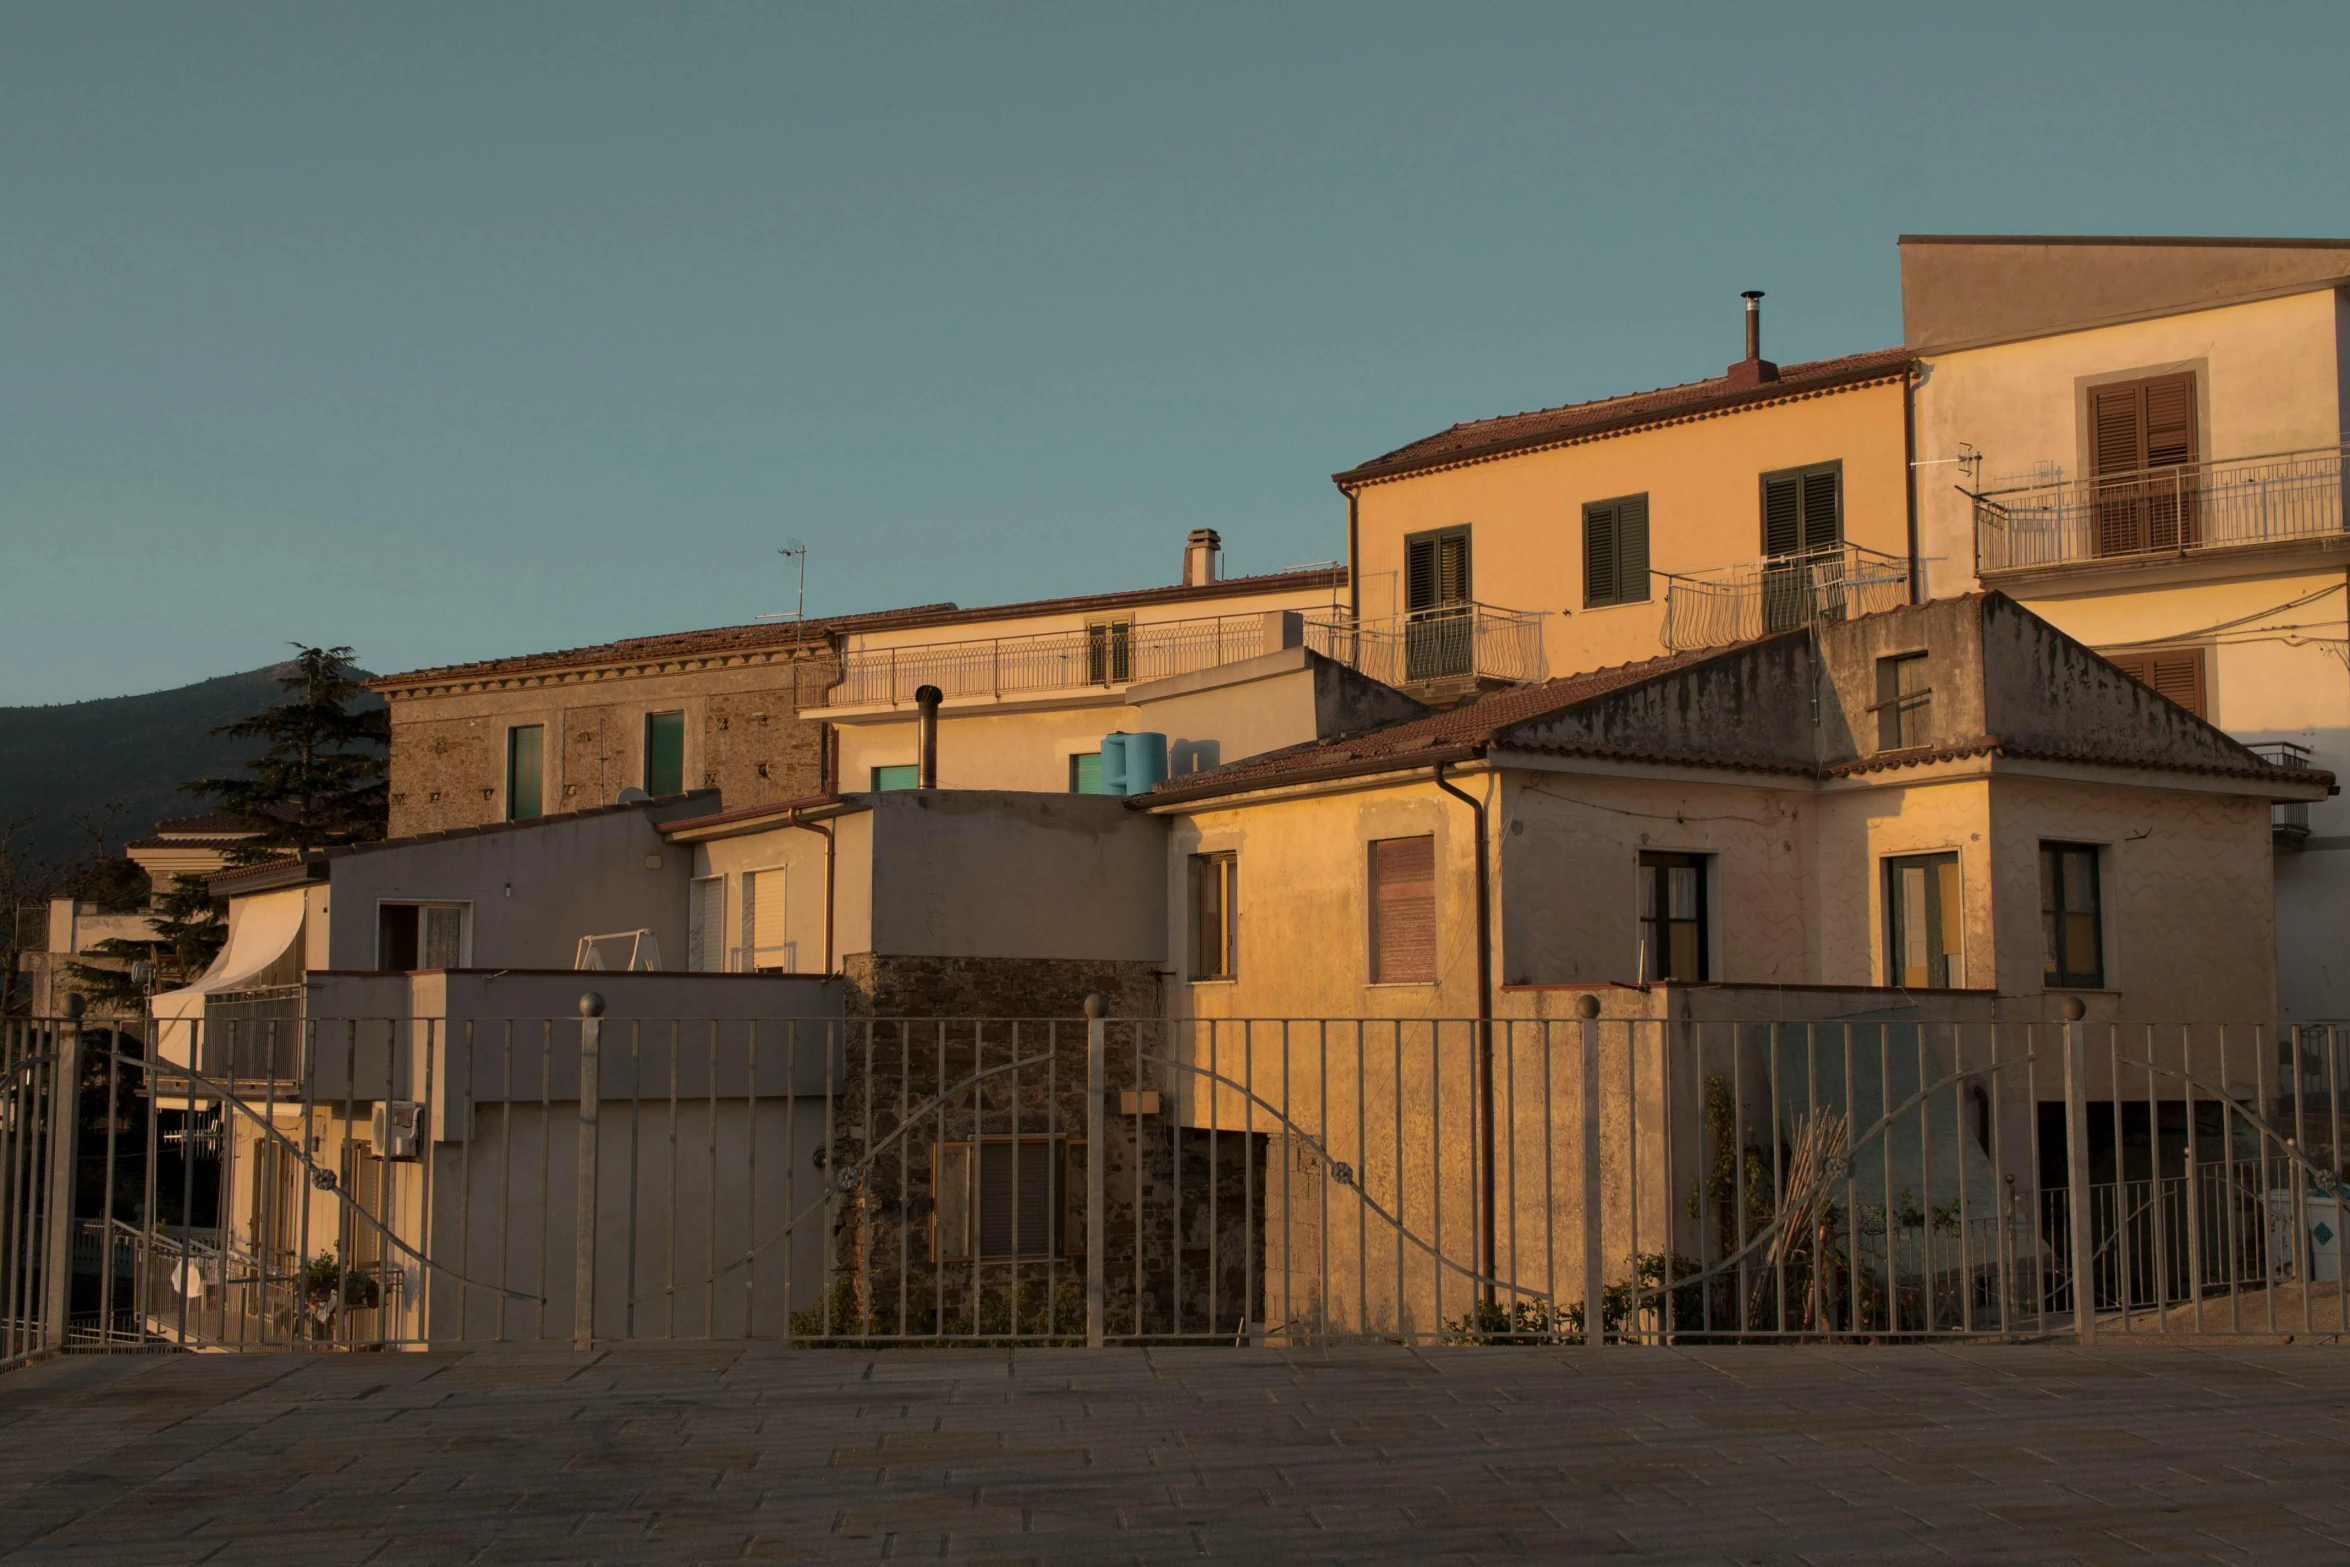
point(2140, 440)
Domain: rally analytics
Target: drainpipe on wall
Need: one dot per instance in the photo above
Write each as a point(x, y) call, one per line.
point(1909, 455)
point(1354, 574)
point(926, 702)
point(1485, 1140)
point(825, 833)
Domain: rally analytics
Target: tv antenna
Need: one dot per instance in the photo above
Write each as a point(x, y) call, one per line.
point(797, 553)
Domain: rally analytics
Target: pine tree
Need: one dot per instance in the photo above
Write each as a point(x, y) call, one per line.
point(321, 779)
point(190, 925)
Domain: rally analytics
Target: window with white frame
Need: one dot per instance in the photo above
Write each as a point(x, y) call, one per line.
point(766, 946)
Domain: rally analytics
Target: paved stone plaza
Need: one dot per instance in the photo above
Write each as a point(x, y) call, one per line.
point(729, 1453)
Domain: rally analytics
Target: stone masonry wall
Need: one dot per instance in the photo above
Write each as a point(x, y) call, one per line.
point(744, 736)
point(931, 1060)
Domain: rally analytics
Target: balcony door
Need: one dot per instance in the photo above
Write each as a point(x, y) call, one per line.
point(2142, 465)
point(1803, 538)
point(1439, 618)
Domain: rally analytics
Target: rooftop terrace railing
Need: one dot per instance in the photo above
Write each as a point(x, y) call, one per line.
point(1758, 598)
point(2158, 513)
point(1113, 653)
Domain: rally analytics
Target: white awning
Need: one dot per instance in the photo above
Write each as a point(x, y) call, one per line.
point(262, 929)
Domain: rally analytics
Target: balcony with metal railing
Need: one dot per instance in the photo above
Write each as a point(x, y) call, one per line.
point(1106, 655)
point(1757, 598)
point(2187, 509)
point(2288, 819)
point(1467, 644)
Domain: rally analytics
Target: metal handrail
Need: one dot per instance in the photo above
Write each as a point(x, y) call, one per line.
point(2162, 512)
point(1449, 642)
point(1107, 655)
point(1757, 598)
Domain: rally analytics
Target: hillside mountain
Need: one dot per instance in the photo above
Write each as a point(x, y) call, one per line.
point(134, 751)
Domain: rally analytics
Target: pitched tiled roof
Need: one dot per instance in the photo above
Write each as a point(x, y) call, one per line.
point(312, 865)
point(1544, 426)
point(770, 635)
point(1423, 741)
point(761, 636)
point(209, 824)
point(190, 841)
point(1992, 745)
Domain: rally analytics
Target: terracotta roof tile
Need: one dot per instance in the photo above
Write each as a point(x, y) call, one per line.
point(1543, 425)
point(1422, 740)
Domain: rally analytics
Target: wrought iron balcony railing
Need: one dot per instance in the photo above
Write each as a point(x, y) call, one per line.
point(2155, 513)
point(1738, 603)
point(1480, 642)
point(2288, 819)
point(1115, 653)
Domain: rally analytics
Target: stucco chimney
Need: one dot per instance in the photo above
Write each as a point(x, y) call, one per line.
point(1754, 369)
point(1199, 556)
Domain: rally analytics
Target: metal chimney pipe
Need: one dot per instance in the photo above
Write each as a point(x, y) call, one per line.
point(1753, 298)
point(926, 700)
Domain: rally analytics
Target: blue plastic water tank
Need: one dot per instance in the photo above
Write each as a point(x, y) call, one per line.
point(1133, 763)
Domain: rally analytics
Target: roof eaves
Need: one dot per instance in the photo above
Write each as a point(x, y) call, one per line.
point(1879, 366)
point(1282, 778)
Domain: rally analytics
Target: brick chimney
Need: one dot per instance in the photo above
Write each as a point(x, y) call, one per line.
point(1199, 557)
point(1754, 369)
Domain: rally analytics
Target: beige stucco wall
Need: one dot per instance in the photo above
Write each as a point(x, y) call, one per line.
point(1702, 478)
point(800, 855)
point(2267, 376)
point(983, 746)
point(1795, 885)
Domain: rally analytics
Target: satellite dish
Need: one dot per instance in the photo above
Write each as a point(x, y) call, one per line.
point(631, 795)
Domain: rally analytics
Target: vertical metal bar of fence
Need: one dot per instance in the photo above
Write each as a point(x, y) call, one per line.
point(636, 1105)
point(1140, 1173)
point(106, 1176)
point(1738, 1197)
point(591, 1049)
point(2194, 1183)
point(669, 1240)
point(64, 1128)
point(2333, 1038)
point(505, 1169)
point(1852, 1320)
point(2231, 1197)
point(436, 1042)
point(2076, 1151)
point(464, 1185)
point(2123, 1273)
point(2158, 1205)
point(791, 1161)
point(143, 1281)
point(1550, 1246)
point(1097, 1088)
point(1323, 1120)
point(1594, 1285)
point(750, 1180)
point(546, 1141)
point(2002, 1186)
point(1892, 1217)
point(15, 1199)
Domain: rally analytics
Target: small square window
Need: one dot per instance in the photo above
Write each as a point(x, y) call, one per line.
point(906, 775)
point(1085, 773)
point(1001, 1197)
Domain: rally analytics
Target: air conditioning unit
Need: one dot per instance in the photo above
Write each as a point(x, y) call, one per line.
point(392, 1126)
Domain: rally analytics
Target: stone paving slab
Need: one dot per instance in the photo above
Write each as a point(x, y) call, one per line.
point(1753, 1456)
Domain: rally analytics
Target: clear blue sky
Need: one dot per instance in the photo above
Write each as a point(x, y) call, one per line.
point(453, 331)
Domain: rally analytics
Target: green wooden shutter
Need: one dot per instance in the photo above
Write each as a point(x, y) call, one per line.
point(1783, 514)
point(1823, 516)
point(1419, 574)
point(1632, 550)
point(1599, 556)
point(664, 753)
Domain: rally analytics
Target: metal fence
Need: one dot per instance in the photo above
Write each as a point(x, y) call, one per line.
point(1738, 603)
point(1455, 642)
point(1881, 1177)
point(1109, 654)
point(2179, 509)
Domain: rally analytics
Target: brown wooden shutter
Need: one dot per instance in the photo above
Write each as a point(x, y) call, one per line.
point(2177, 673)
point(1452, 569)
point(2170, 420)
point(1403, 899)
point(2117, 421)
